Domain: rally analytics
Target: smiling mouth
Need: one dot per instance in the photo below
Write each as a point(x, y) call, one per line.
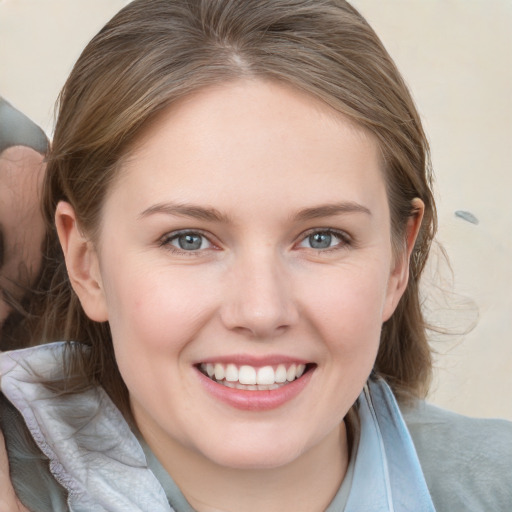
point(251, 378)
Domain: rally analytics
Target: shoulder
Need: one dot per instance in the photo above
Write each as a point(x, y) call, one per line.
point(467, 462)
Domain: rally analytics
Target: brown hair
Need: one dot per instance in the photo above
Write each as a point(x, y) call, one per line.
point(154, 52)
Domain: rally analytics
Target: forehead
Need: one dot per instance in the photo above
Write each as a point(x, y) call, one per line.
point(253, 137)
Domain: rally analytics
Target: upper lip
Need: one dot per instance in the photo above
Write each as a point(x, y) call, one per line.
point(255, 361)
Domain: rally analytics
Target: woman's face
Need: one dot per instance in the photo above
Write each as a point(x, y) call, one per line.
point(249, 235)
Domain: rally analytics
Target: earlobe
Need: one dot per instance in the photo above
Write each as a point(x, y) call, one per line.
point(399, 276)
point(81, 262)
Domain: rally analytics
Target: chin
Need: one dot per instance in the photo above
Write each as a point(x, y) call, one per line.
point(254, 454)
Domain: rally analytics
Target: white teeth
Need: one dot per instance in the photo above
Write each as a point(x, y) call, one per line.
point(231, 373)
point(219, 372)
point(247, 375)
point(259, 387)
point(251, 387)
point(280, 373)
point(265, 375)
point(290, 374)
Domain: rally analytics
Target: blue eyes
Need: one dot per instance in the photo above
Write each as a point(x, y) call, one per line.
point(190, 242)
point(193, 242)
point(187, 241)
point(323, 240)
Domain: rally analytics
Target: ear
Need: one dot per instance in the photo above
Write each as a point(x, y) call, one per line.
point(399, 276)
point(82, 263)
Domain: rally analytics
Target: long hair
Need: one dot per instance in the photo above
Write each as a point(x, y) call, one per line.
point(154, 52)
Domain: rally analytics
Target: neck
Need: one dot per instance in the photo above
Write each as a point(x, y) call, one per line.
point(308, 483)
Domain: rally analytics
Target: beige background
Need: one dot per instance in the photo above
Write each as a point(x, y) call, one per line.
point(456, 56)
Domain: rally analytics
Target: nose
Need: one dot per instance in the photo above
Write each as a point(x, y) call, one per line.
point(258, 300)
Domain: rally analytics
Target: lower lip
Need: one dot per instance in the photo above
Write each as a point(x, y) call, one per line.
point(256, 400)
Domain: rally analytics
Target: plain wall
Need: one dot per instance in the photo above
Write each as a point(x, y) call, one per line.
point(456, 55)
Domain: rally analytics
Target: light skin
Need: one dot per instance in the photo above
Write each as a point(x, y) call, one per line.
point(21, 224)
point(288, 258)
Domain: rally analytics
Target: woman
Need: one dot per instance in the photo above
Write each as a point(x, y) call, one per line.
point(241, 191)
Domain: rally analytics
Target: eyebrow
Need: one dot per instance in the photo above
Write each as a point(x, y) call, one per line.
point(186, 210)
point(213, 215)
point(329, 210)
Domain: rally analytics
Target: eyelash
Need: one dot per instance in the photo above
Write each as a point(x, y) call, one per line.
point(165, 241)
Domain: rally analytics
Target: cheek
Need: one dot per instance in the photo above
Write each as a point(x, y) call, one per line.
point(157, 310)
point(347, 304)
point(346, 313)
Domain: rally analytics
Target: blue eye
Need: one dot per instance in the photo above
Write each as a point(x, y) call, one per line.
point(325, 239)
point(188, 241)
point(320, 240)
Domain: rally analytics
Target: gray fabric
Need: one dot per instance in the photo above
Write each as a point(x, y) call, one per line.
point(93, 453)
point(467, 462)
point(30, 473)
point(16, 129)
